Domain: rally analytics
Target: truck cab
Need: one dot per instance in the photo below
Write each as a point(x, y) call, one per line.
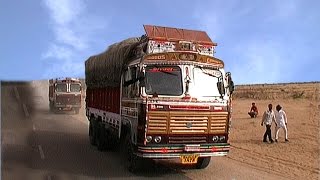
point(171, 99)
point(65, 94)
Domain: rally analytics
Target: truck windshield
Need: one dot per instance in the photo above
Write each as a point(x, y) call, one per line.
point(61, 88)
point(75, 88)
point(164, 80)
point(205, 82)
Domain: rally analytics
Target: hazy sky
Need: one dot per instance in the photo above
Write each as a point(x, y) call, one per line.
point(260, 41)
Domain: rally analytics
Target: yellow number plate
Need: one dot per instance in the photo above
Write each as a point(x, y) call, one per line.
point(189, 159)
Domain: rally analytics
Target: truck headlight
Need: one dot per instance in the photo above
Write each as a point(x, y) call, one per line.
point(149, 138)
point(157, 139)
point(215, 138)
point(222, 138)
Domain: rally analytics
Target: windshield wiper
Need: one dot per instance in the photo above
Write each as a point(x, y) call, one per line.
point(204, 72)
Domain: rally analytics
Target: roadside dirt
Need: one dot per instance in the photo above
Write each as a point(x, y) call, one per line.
point(296, 159)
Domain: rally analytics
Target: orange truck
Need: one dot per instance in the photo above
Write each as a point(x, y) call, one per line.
point(163, 95)
point(65, 94)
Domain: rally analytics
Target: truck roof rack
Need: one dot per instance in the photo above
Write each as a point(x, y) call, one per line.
point(64, 79)
point(177, 34)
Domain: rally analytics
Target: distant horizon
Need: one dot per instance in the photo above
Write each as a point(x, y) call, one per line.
point(306, 82)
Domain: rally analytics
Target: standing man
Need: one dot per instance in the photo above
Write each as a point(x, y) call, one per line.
point(281, 119)
point(267, 118)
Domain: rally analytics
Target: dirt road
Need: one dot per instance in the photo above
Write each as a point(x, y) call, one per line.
point(39, 145)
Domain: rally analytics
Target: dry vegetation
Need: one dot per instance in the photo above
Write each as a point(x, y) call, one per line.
point(297, 159)
point(278, 91)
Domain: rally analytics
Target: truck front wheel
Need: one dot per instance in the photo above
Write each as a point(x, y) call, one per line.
point(134, 162)
point(203, 162)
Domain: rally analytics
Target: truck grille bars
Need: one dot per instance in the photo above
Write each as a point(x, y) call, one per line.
point(175, 122)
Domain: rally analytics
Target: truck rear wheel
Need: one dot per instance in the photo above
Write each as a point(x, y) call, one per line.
point(101, 137)
point(203, 162)
point(92, 133)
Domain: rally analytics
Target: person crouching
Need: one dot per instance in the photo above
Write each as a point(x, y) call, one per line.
point(253, 111)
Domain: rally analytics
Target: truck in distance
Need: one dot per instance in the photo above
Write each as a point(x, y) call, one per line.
point(163, 95)
point(65, 94)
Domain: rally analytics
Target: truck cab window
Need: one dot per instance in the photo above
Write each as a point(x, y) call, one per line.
point(75, 88)
point(61, 88)
point(124, 84)
point(130, 87)
point(133, 88)
point(164, 80)
point(205, 82)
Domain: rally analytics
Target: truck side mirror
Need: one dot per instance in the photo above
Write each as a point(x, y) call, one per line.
point(220, 86)
point(141, 78)
point(230, 83)
point(231, 87)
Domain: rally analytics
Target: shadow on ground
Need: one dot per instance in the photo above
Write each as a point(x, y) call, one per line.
point(72, 154)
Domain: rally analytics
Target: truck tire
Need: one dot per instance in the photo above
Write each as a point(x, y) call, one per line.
point(101, 137)
point(203, 162)
point(92, 133)
point(134, 162)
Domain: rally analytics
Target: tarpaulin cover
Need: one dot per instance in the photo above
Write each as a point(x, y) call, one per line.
point(104, 70)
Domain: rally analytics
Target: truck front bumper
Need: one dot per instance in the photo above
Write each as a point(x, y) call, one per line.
point(163, 152)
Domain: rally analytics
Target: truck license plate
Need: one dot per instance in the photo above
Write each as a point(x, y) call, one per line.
point(189, 159)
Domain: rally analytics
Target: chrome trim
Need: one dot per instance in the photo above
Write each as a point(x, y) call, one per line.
point(175, 155)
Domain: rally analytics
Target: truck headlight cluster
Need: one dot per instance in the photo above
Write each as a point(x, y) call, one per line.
point(156, 139)
point(218, 139)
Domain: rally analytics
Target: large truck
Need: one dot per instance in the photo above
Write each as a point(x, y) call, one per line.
point(65, 94)
point(163, 95)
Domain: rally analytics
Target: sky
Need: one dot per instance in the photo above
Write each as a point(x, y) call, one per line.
point(275, 41)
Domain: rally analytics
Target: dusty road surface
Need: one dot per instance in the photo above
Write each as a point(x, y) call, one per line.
point(39, 145)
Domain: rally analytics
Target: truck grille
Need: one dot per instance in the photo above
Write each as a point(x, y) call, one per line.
point(157, 123)
point(68, 99)
point(218, 122)
point(188, 122)
point(163, 122)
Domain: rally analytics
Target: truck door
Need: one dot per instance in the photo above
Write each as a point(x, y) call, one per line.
point(129, 94)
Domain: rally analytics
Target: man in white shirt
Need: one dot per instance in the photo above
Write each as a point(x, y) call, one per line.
point(267, 119)
point(281, 119)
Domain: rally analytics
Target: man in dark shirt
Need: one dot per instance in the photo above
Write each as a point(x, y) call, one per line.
point(253, 111)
